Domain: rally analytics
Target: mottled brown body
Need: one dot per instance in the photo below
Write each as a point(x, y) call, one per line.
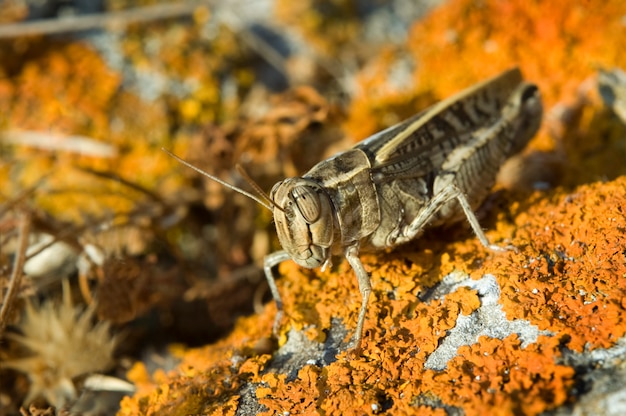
point(432, 169)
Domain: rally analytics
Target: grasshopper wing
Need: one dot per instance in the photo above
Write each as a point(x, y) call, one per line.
point(421, 144)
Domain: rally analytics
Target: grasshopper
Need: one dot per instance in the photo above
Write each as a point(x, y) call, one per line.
point(432, 169)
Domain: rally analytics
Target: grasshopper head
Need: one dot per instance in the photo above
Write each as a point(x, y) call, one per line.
point(304, 220)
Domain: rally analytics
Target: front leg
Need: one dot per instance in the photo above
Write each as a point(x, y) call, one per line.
point(270, 261)
point(352, 255)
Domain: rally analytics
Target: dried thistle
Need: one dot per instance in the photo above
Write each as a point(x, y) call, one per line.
point(65, 344)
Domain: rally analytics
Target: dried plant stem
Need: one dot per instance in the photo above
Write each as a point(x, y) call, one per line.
point(17, 273)
point(98, 20)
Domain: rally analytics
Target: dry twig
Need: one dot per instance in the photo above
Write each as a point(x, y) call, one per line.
point(16, 275)
point(98, 20)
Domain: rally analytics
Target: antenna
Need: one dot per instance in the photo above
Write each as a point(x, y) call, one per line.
point(256, 187)
point(226, 184)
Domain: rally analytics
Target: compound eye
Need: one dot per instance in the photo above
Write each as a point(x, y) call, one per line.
point(308, 203)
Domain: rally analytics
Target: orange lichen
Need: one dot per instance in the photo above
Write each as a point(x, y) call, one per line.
point(456, 40)
point(206, 380)
point(56, 93)
point(498, 377)
point(569, 278)
point(298, 397)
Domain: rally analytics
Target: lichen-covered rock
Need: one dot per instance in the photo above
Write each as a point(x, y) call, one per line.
point(453, 326)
